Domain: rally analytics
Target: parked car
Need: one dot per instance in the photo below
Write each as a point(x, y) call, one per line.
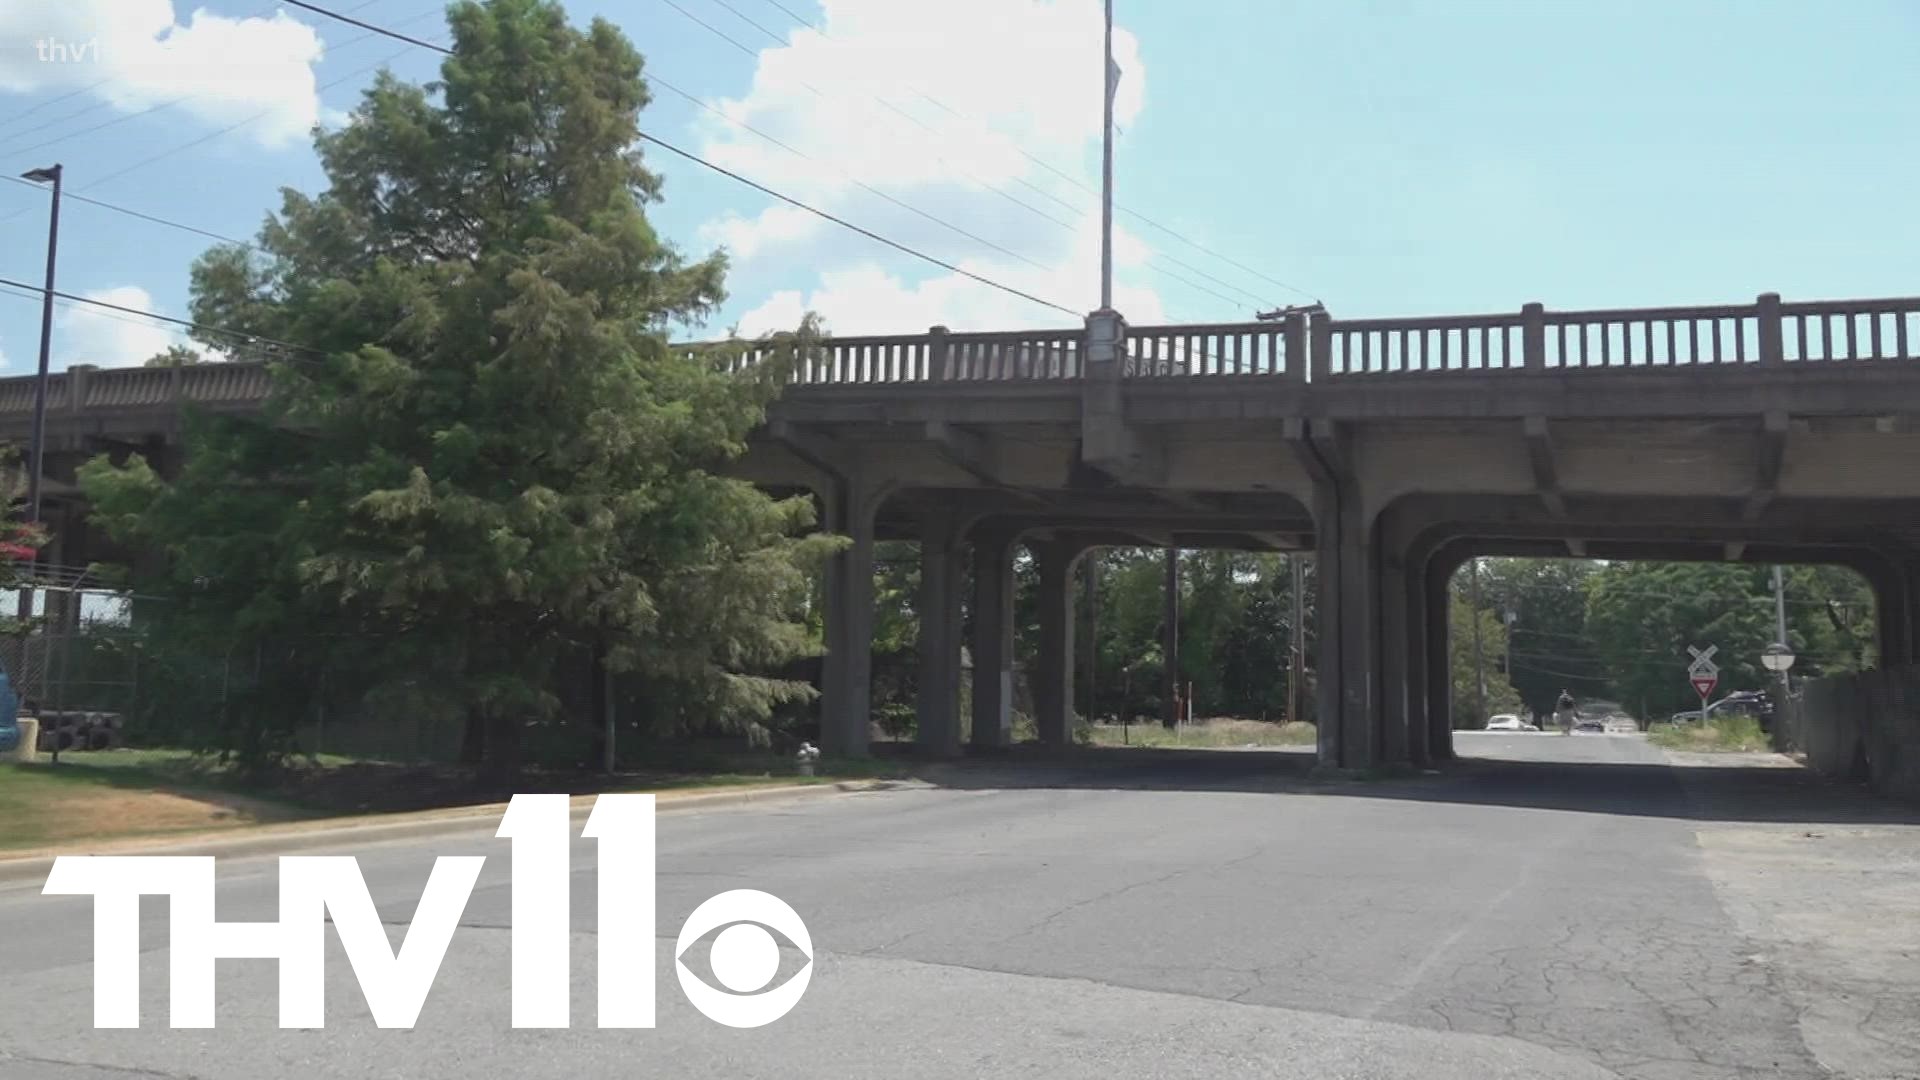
point(1589, 725)
point(1510, 722)
point(1754, 703)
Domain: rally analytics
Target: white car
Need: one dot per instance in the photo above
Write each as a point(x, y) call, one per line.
point(1510, 722)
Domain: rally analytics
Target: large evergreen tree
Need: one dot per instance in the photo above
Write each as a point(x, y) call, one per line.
point(482, 456)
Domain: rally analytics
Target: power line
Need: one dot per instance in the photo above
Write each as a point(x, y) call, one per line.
point(909, 117)
point(1075, 181)
point(922, 125)
point(144, 162)
point(868, 233)
point(351, 21)
point(98, 105)
point(1660, 594)
point(863, 185)
point(237, 125)
point(184, 227)
point(30, 110)
point(762, 188)
point(240, 335)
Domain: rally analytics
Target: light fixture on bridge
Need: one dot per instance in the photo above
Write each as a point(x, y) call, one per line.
point(1777, 658)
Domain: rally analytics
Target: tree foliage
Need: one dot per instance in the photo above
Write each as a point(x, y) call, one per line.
point(490, 460)
point(174, 356)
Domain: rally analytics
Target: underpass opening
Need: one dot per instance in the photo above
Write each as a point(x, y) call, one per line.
point(1760, 663)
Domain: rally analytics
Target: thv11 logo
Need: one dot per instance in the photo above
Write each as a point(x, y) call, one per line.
point(744, 958)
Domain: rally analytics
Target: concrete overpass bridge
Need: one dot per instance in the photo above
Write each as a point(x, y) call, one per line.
point(1393, 449)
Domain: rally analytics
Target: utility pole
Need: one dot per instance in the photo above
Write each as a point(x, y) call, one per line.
point(1779, 607)
point(1780, 624)
point(1479, 670)
point(1170, 643)
point(1110, 75)
point(1297, 658)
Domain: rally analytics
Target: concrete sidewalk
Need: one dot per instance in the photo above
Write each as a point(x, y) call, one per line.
point(286, 838)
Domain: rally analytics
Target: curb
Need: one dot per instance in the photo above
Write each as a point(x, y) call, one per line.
point(276, 840)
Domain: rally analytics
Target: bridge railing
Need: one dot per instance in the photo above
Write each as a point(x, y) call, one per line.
point(1765, 332)
point(1256, 348)
point(936, 356)
point(1851, 329)
point(1465, 343)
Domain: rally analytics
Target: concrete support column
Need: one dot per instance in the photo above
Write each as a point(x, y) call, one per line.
point(1052, 672)
point(1395, 667)
point(1349, 610)
point(1326, 612)
point(938, 708)
point(993, 639)
point(1413, 588)
point(1897, 601)
point(1435, 583)
point(846, 690)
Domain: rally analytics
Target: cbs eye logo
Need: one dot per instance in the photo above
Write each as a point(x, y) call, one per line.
point(744, 957)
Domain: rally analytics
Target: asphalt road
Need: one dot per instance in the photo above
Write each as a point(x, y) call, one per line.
point(1543, 911)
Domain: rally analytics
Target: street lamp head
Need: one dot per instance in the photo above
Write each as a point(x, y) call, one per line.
point(1776, 657)
point(42, 176)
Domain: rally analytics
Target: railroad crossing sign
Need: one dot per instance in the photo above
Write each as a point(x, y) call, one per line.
point(1703, 673)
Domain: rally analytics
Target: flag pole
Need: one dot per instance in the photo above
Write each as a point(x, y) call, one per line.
point(1106, 170)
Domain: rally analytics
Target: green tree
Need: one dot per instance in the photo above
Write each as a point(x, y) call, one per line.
point(1831, 621)
point(492, 461)
point(1470, 708)
point(1643, 615)
point(174, 356)
point(1543, 603)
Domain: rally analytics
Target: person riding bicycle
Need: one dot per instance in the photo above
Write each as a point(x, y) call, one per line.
point(1563, 709)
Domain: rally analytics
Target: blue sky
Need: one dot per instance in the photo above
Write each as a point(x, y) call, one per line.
point(1388, 158)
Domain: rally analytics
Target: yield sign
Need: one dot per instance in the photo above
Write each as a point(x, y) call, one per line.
point(1703, 684)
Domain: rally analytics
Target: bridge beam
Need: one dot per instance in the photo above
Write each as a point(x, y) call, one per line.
point(1772, 452)
point(1546, 473)
point(823, 452)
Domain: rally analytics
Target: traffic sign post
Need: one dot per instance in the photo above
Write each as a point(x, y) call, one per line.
point(1704, 674)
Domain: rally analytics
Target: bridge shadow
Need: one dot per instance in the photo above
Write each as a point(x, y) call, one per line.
point(1735, 792)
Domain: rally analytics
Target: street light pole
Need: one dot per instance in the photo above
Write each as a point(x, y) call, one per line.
point(48, 175)
point(1479, 670)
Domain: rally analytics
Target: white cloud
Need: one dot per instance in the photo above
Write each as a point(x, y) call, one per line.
point(85, 334)
point(986, 84)
point(862, 298)
point(133, 54)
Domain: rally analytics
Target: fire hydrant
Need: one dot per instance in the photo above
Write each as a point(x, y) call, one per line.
point(808, 754)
